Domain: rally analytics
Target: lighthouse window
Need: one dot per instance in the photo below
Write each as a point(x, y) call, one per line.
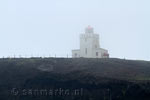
point(75, 54)
point(96, 53)
point(86, 51)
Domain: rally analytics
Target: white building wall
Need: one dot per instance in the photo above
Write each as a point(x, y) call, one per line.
point(85, 45)
point(89, 43)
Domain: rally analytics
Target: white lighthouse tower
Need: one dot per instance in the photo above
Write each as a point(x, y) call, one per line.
point(89, 46)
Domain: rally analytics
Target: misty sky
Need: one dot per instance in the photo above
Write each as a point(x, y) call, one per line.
point(49, 27)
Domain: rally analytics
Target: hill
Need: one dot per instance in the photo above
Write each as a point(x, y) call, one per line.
point(95, 79)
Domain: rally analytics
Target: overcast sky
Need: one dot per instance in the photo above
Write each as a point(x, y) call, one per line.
point(49, 27)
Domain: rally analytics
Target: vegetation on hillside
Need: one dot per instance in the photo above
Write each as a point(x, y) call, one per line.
point(74, 79)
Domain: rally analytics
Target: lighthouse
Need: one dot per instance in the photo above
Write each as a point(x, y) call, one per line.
point(90, 46)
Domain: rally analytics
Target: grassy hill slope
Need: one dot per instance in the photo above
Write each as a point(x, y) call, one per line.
point(125, 79)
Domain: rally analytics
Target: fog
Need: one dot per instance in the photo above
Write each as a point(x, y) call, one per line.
point(49, 27)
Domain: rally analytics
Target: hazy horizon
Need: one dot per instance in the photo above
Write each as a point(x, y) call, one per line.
point(45, 27)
